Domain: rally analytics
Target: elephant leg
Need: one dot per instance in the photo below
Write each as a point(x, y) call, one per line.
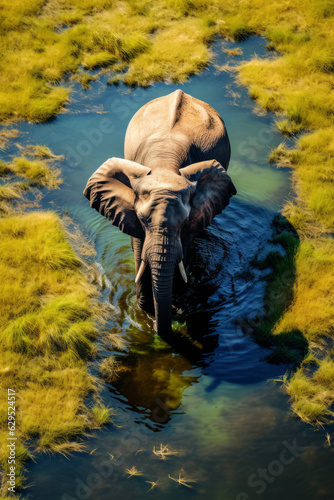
point(144, 285)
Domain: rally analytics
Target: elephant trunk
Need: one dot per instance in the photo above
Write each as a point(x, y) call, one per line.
point(163, 256)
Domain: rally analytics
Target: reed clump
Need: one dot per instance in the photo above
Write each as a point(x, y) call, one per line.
point(35, 170)
point(312, 391)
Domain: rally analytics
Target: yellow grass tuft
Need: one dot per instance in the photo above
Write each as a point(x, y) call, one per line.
point(133, 471)
point(41, 152)
point(102, 415)
point(312, 396)
point(164, 451)
point(183, 479)
point(6, 135)
point(153, 484)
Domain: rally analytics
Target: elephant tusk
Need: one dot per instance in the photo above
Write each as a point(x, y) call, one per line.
point(183, 271)
point(140, 271)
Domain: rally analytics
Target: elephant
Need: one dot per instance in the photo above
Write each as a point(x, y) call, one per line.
point(170, 185)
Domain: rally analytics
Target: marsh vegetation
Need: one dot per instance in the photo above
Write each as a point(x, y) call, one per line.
point(48, 321)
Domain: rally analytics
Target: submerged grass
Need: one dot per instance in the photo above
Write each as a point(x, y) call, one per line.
point(164, 451)
point(183, 479)
point(133, 471)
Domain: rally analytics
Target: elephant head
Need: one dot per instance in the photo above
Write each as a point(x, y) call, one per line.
point(163, 209)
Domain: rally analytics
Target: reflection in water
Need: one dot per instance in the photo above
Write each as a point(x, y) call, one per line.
point(153, 384)
point(207, 397)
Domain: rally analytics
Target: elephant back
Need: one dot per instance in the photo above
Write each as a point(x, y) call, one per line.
point(185, 121)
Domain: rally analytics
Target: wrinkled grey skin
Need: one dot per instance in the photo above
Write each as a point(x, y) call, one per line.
point(170, 186)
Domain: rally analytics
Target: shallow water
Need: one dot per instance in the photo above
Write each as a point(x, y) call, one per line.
point(232, 428)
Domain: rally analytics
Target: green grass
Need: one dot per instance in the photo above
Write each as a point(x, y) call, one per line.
point(11, 191)
point(314, 281)
point(36, 54)
point(239, 30)
point(287, 127)
point(168, 40)
point(38, 172)
point(42, 152)
point(101, 415)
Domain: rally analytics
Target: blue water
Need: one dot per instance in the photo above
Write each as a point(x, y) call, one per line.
point(229, 424)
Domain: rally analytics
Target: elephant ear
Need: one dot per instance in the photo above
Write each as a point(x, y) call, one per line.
point(110, 193)
point(214, 189)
